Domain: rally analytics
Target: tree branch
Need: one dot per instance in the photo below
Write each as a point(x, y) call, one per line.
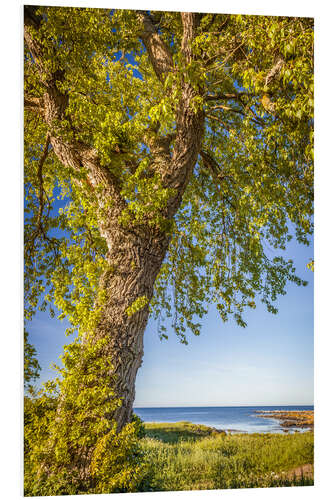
point(41, 187)
point(227, 96)
point(40, 230)
point(211, 164)
point(189, 124)
point(274, 71)
point(227, 108)
point(72, 153)
point(35, 104)
point(255, 118)
point(190, 21)
point(158, 53)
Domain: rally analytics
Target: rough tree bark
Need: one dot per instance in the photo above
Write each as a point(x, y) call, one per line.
point(134, 255)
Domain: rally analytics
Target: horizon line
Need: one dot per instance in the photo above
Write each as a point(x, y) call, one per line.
point(216, 406)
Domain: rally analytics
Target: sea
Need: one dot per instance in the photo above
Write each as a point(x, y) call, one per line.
point(229, 418)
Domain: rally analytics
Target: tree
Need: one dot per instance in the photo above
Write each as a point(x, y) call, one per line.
point(165, 155)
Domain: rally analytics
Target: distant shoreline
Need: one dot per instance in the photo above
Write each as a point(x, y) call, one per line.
point(223, 406)
point(303, 419)
point(244, 419)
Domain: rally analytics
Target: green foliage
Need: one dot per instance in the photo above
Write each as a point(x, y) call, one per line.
point(140, 427)
point(31, 365)
point(178, 431)
point(117, 462)
point(218, 461)
point(67, 425)
point(137, 305)
point(234, 223)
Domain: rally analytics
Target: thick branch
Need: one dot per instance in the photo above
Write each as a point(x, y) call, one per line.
point(72, 153)
point(34, 104)
point(158, 53)
point(274, 72)
point(175, 169)
point(189, 126)
point(190, 21)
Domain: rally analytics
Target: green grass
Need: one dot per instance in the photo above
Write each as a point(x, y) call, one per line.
point(179, 431)
point(184, 456)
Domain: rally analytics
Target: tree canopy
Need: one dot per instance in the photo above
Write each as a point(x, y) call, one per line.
point(252, 184)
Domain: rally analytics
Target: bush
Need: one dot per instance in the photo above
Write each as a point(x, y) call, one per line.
point(71, 443)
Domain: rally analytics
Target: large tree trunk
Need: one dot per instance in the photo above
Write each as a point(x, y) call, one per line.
point(135, 258)
point(134, 262)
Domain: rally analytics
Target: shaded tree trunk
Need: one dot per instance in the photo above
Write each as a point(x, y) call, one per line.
point(134, 262)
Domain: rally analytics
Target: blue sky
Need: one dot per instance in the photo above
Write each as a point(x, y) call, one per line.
point(270, 362)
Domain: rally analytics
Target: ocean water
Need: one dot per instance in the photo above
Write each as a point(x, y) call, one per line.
point(229, 418)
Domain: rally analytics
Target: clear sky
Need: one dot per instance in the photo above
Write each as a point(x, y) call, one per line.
point(270, 362)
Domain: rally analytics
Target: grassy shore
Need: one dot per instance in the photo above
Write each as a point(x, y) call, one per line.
point(184, 456)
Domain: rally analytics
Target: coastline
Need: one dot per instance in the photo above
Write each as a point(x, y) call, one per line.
point(245, 420)
point(302, 419)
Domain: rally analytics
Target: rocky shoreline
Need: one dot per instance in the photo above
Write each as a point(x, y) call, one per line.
point(287, 419)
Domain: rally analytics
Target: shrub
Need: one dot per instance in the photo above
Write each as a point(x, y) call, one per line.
point(71, 443)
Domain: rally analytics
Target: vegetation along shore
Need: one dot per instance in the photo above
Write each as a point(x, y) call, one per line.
point(185, 456)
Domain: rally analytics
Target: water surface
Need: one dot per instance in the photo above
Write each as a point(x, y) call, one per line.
point(231, 418)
